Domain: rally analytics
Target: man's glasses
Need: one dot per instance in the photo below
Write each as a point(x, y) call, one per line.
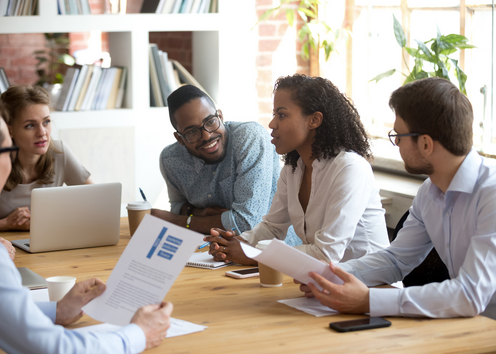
point(195, 134)
point(395, 138)
point(13, 150)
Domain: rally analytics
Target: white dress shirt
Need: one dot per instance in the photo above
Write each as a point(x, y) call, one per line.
point(461, 225)
point(28, 328)
point(344, 217)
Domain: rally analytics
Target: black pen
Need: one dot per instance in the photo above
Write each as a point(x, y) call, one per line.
point(143, 195)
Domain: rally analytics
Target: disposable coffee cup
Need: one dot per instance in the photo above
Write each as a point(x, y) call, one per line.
point(59, 286)
point(269, 278)
point(136, 212)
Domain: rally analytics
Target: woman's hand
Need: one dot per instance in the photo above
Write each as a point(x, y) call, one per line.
point(226, 246)
point(19, 219)
point(9, 247)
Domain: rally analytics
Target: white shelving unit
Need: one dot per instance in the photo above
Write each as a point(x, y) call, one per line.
point(124, 145)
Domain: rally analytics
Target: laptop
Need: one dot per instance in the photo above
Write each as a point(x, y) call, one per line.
point(72, 217)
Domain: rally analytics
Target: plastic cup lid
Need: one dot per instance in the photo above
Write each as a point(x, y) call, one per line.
point(139, 206)
point(263, 244)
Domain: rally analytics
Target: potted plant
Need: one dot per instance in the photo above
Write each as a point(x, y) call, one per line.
point(433, 60)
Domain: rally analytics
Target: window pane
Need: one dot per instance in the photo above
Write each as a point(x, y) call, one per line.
point(433, 3)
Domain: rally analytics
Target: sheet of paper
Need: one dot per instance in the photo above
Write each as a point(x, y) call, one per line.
point(39, 295)
point(146, 270)
point(311, 306)
point(290, 261)
point(177, 328)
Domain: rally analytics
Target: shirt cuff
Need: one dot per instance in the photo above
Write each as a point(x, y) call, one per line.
point(135, 337)
point(49, 309)
point(176, 207)
point(384, 302)
point(228, 222)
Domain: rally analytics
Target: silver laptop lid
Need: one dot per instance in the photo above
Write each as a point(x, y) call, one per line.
point(75, 217)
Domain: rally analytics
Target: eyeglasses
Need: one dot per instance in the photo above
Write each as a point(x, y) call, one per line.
point(395, 138)
point(194, 135)
point(13, 150)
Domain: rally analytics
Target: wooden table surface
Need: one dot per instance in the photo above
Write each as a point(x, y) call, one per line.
point(243, 317)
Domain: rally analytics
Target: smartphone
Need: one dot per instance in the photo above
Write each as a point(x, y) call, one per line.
point(243, 273)
point(360, 324)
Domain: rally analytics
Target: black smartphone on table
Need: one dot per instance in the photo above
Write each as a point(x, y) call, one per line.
point(360, 324)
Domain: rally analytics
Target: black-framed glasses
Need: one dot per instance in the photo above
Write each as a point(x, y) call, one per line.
point(13, 150)
point(193, 135)
point(395, 138)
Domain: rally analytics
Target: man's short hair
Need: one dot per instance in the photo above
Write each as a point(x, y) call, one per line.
point(183, 95)
point(436, 107)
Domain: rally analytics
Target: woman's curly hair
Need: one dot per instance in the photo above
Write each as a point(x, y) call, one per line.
point(341, 128)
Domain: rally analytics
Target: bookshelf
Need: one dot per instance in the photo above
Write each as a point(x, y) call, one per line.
point(124, 145)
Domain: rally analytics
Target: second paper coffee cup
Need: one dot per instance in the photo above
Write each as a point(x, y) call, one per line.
point(269, 278)
point(136, 212)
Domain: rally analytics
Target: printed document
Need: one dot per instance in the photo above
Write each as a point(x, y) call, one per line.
point(146, 270)
point(291, 261)
point(310, 305)
point(177, 328)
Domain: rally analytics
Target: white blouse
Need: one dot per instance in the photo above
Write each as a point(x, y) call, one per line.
point(344, 217)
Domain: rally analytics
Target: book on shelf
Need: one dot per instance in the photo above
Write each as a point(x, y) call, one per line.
point(73, 7)
point(4, 81)
point(155, 91)
point(70, 80)
point(178, 6)
point(122, 88)
point(18, 7)
point(185, 78)
point(167, 6)
point(159, 67)
point(78, 87)
point(149, 6)
point(186, 6)
point(90, 87)
point(166, 75)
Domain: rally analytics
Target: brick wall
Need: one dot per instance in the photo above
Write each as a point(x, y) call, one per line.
point(279, 54)
point(16, 56)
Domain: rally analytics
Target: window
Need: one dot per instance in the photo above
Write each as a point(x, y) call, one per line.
point(370, 48)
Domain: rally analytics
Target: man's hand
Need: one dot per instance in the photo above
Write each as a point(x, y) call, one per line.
point(9, 247)
point(19, 219)
point(69, 308)
point(154, 320)
point(351, 297)
point(226, 246)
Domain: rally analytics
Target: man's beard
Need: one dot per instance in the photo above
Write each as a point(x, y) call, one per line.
point(424, 169)
point(217, 159)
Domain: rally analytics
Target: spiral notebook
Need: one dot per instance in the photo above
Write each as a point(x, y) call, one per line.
point(204, 260)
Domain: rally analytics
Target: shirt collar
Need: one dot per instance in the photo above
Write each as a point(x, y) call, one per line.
point(316, 164)
point(468, 173)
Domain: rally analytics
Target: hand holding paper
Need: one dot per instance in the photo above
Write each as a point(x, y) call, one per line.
point(151, 262)
point(291, 261)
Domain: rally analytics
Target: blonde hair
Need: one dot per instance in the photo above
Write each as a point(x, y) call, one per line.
point(15, 100)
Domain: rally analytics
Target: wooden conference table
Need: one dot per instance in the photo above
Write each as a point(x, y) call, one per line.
point(243, 317)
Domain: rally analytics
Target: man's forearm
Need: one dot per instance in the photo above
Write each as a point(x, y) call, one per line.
point(201, 224)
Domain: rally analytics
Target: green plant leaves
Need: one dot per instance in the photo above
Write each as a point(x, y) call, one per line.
point(424, 49)
point(383, 75)
point(399, 34)
point(460, 76)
